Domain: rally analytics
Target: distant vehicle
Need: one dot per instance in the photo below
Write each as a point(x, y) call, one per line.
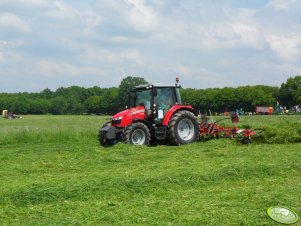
point(9, 115)
point(264, 110)
point(295, 109)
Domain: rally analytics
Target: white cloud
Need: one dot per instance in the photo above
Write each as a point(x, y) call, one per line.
point(91, 19)
point(61, 11)
point(8, 45)
point(8, 54)
point(233, 35)
point(183, 70)
point(9, 57)
point(72, 18)
point(287, 70)
point(11, 21)
point(31, 3)
point(230, 32)
point(280, 5)
point(97, 55)
point(3, 44)
point(203, 77)
point(142, 16)
point(50, 68)
point(208, 43)
point(34, 3)
point(54, 69)
point(288, 47)
point(134, 55)
point(104, 56)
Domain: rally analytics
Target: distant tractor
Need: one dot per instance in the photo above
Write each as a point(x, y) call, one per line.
point(157, 114)
point(9, 115)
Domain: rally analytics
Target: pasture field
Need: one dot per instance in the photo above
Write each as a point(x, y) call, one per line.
point(53, 172)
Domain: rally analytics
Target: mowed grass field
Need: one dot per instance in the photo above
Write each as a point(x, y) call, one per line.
point(53, 172)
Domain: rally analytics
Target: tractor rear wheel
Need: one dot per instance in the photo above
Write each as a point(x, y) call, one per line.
point(183, 128)
point(137, 133)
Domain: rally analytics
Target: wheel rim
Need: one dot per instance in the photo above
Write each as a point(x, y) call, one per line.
point(138, 137)
point(185, 129)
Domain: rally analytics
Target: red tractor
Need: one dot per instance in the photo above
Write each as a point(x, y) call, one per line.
point(157, 115)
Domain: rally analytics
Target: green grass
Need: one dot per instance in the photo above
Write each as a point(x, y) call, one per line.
point(53, 172)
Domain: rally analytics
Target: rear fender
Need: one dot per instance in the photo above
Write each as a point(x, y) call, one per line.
point(175, 109)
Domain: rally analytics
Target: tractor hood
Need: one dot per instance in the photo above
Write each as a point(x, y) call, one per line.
point(124, 118)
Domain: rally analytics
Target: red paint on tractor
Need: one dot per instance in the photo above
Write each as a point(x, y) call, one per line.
point(125, 118)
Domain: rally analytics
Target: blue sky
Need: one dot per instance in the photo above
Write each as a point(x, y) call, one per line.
point(207, 43)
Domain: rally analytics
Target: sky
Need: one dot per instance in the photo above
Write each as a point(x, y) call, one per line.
point(206, 43)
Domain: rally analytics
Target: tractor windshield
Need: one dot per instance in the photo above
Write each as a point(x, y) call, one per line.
point(143, 98)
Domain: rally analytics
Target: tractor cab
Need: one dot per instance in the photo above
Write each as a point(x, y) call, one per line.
point(157, 114)
point(157, 100)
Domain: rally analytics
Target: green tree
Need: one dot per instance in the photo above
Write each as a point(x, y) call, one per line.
point(39, 106)
point(298, 96)
point(94, 91)
point(92, 104)
point(289, 93)
point(22, 106)
point(46, 93)
point(125, 87)
point(227, 100)
point(109, 103)
point(58, 105)
point(74, 104)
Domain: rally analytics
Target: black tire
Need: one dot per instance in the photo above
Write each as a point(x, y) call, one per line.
point(183, 128)
point(137, 133)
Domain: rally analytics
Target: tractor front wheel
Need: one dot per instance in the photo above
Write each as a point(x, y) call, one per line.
point(137, 133)
point(183, 128)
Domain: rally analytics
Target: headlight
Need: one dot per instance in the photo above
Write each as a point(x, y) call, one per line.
point(117, 120)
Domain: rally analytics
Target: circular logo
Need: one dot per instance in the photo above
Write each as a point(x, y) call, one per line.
point(282, 215)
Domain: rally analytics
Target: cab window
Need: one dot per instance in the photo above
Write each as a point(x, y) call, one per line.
point(143, 98)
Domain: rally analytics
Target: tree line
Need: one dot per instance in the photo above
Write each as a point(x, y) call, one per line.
point(97, 100)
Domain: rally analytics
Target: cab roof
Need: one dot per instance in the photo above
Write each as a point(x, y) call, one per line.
point(148, 86)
